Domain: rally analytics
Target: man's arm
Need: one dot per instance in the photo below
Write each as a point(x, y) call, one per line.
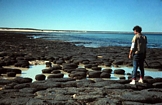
point(130, 54)
point(131, 51)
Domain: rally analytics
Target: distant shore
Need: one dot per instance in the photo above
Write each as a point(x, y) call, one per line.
point(78, 31)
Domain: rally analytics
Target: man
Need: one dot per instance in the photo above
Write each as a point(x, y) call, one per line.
point(138, 52)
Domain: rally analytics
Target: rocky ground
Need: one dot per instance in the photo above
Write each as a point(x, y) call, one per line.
point(17, 49)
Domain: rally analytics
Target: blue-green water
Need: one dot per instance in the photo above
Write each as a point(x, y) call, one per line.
point(100, 39)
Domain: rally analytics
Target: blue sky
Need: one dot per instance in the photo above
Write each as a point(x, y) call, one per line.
point(96, 15)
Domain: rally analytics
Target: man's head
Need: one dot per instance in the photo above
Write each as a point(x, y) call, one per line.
point(137, 29)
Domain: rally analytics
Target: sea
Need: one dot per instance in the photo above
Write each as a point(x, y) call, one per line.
point(96, 40)
point(100, 39)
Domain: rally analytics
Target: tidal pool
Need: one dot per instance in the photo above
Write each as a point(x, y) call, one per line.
point(37, 69)
point(34, 70)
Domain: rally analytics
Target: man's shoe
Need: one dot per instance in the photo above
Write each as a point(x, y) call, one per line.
point(140, 81)
point(133, 82)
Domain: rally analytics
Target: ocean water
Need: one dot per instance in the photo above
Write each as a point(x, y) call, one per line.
point(101, 39)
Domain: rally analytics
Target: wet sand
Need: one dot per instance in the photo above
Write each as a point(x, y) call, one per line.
point(17, 49)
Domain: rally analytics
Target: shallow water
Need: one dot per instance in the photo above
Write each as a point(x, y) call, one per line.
point(100, 39)
point(37, 69)
point(148, 72)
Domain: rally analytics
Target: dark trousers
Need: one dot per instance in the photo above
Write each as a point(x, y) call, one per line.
point(138, 61)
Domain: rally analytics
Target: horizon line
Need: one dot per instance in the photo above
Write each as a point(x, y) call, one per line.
point(52, 30)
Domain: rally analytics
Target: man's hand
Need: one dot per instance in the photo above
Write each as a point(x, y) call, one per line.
point(130, 56)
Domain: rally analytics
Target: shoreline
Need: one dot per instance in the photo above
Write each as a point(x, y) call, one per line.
point(73, 31)
point(17, 49)
point(55, 36)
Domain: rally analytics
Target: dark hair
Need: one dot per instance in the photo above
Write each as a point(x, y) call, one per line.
point(137, 28)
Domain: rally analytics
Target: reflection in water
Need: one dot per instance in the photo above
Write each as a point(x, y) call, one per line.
point(37, 69)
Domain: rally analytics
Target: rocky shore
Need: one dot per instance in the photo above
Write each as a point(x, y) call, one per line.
point(19, 49)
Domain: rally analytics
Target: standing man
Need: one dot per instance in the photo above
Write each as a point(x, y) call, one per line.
point(138, 52)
